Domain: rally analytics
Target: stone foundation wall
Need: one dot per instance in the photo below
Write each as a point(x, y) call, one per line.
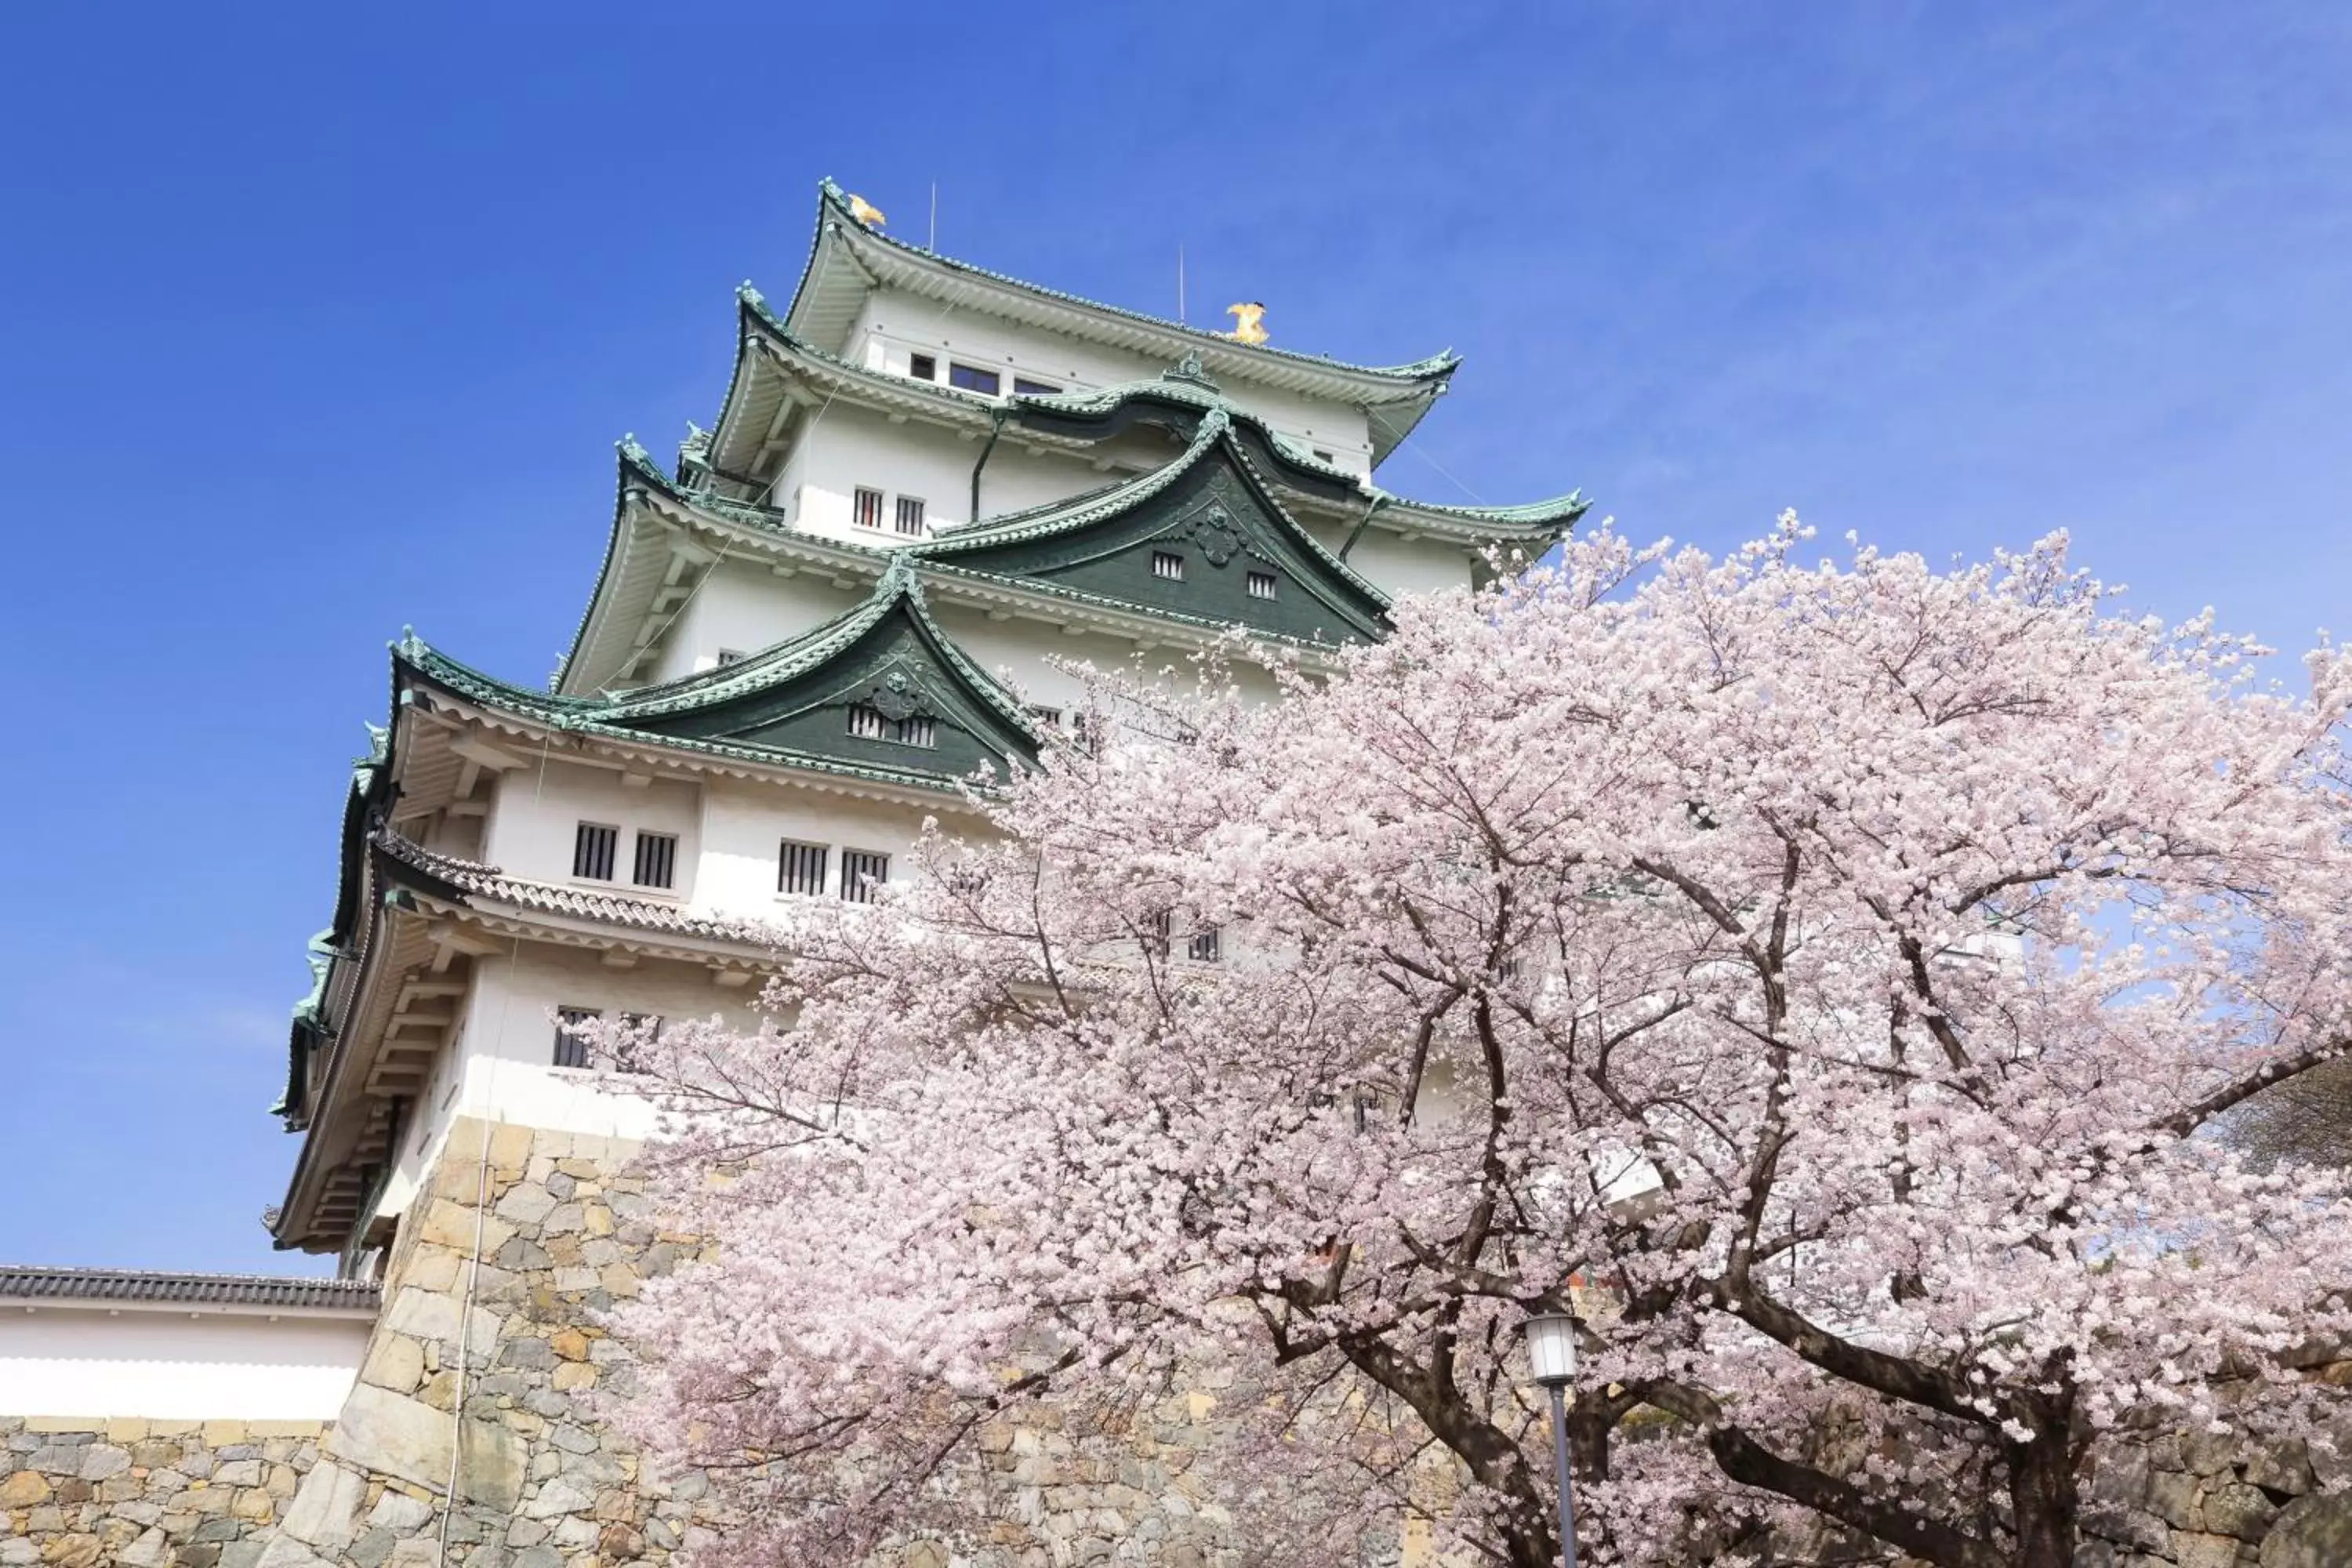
point(2205, 1501)
point(565, 1234)
point(146, 1494)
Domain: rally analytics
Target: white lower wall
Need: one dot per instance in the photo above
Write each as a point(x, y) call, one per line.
point(170, 1365)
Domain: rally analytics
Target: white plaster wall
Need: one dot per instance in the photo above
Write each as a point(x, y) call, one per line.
point(538, 808)
point(894, 325)
point(170, 1365)
point(744, 827)
point(1399, 566)
point(745, 606)
point(851, 446)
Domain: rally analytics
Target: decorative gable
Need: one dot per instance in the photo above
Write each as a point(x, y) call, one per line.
point(1201, 539)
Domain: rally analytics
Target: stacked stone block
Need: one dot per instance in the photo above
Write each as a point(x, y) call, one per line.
point(146, 1494)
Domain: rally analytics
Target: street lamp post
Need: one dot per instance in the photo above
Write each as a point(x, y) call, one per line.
point(1551, 1353)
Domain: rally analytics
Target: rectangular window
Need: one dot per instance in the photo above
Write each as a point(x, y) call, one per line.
point(800, 868)
point(1206, 946)
point(870, 724)
point(1319, 452)
point(971, 378)
point(1156, 935)
point(1260, 585)
point(1044, 718)
point(645, 1028)
point(866, 508)
point(732, 655)
point(1027, 388)
point(910, 514)
point(862, 871)
point(571, 1036)
point(922, 367)
point(1168, 564)
point(592, 851)
point(657, 860)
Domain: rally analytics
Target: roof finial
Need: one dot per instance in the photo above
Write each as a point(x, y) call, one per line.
point(1189, 368)
point(1249, 322)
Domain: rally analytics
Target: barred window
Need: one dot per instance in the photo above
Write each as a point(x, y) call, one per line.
point(1168, 564)
point(862, 871)
point(910, 514)
point(1156, 934)
point(868, 723)
point(1262, 586)
point(1044, 718)
point(800, 868)
point(657, 860)
point(866, 508)
point(1205, 946)
point(592, 851)
point(571, 1035)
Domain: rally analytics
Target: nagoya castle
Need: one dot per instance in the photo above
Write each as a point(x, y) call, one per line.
point(928, 489)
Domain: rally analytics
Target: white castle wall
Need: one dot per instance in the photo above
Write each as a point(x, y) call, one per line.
point(894, 325)
point(209, 1364)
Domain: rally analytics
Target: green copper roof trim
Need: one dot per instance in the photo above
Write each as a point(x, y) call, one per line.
point(1070, 516)
point(834, 202)
point(619, 718)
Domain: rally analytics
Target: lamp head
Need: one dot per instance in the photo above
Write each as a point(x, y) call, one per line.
point(1551, 1348)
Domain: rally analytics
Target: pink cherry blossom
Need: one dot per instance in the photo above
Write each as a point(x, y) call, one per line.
point(1824, 981)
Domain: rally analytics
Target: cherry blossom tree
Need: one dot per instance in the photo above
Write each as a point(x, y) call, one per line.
point(1821, 982)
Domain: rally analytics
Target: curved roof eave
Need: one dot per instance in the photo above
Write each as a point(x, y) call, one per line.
point(1415, 381)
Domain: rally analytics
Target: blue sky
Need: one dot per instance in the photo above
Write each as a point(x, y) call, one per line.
point(322, 320)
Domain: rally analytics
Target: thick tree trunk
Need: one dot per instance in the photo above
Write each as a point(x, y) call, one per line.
point(2042, 1500)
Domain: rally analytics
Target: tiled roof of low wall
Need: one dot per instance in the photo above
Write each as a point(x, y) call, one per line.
point(156, 1288)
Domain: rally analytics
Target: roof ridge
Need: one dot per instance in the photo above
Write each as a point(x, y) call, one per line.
point(1432, 367)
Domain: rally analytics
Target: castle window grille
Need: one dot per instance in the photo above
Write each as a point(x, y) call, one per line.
point(800, 868)
point(1167, 566)
point(1205, 946)
point(571, 1036)
point(866, 508)
point(592, 848)
point(870, 723)
point(862, 873)
point(1262, 585)
point(657, 864)
point(910, 514)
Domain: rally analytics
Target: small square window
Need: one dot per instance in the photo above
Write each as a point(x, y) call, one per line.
point(971, 378)
point(657, 864)
point(1167, 564)
point(732, 655)
point(571, 1036)
point(593, 847)
point(1262, 586)
point(922, 367)
point(862, 871)
point(1027, 388)
point(910, 515)
point(800, 868)
point(866, 508)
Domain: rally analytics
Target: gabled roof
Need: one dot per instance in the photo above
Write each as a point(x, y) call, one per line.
point(1211, 504)
point(756, 708)
point(847, 260)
